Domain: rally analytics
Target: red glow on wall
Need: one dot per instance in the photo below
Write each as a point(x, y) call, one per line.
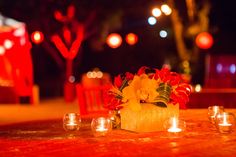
point(131, 38)
point(114, 40)
point(37, 37)
point(204, 40)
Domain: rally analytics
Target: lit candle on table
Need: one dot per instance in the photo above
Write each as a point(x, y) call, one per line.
point(213, 111)
point(101, 126)
point(174, 126)
point(71, 125)
point(224, 124)
point(71, 121)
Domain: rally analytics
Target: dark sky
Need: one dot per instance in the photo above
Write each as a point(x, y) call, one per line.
point(223, 21)
point(131, 16)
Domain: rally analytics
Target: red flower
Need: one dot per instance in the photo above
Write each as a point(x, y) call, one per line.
point(129, 76)
point(163, 75)
point(111, 102)
point(118, 81)
point(142, 70)
point(180, 90)
point(184, 87)
point(174, 79)
point(180, 97)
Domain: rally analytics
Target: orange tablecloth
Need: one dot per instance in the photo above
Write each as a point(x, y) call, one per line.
point(47, 138)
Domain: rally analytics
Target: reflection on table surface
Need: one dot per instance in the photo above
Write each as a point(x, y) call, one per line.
point(48, 138)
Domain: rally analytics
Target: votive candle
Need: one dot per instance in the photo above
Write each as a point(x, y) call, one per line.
point(101, 126)
point(71, 121)
point(175, 125)
point(225, 122)
point(213, 111)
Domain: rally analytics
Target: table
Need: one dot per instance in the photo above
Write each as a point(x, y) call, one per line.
point(47, 138)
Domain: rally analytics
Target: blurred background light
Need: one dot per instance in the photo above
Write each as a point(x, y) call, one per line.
point(219, 68)
point(166, 9)
point(163, 34)
point(114, 40)
point(2, 50)
point(156, 12)
point(198, 88)
point(8, 44)
point(232, 68)
point(99, 74)
point(204, 40)
point(72, 79)
point(131, 38)
point(152, 20)
point(37, 37)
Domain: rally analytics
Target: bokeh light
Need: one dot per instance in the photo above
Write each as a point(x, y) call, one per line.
point(198, 88)
point(114, 40)
point(163, 34)
point(131, 38)
point(2, 50)
point(219, 68)
point(152, 20)
point(94, 74)
point(72, 79)
point(204, 40)
point(232, 68)
point(156, 12)
point(166, 9)
point(37, 37)
point(8, 44)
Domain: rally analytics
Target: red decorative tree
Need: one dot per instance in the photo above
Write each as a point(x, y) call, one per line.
point(70, 48)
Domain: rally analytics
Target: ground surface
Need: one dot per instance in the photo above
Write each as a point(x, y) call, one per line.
point(46, 109)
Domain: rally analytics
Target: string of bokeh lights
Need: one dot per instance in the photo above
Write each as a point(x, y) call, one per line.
point(156, 13)
point(114, 40)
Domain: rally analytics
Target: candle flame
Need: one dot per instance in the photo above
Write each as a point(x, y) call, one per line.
point(174, 126)
point(174, 122)
point(224, 119)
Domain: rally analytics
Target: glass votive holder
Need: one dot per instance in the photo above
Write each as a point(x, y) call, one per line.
point(101, 126)
point(213, 111)
point(114, 115)
point(225, 122)
point(71, 122)
point(175, 125)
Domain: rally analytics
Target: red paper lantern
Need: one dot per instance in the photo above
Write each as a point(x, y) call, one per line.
point(37, 37)
point(114, 40)
point(204, 40)
point(131, 38)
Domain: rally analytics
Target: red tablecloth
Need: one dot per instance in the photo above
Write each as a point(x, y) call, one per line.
point(47, 138)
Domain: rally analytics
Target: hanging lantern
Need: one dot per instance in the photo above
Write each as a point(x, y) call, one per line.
point(114, 40)
point(204, 40)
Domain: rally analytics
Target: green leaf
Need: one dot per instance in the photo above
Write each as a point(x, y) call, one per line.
point(160, 104)
point(118, 97)
point(124, 84)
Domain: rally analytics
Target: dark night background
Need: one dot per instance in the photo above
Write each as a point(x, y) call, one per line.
point(122, 16)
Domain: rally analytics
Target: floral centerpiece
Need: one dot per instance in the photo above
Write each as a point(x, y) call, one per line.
point(146, 99)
